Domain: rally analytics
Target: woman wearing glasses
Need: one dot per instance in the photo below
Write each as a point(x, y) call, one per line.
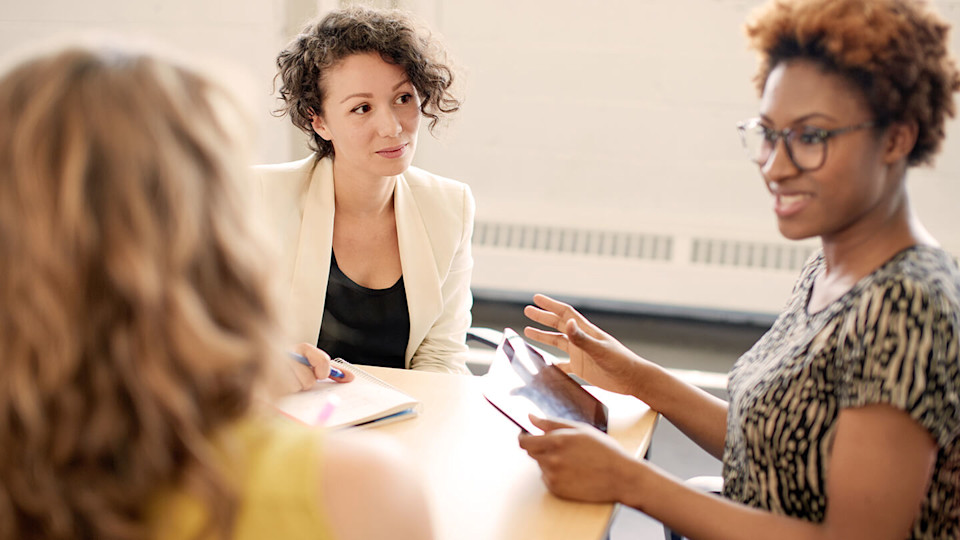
point(843, 420)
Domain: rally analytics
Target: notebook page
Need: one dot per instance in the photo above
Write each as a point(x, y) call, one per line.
point(364, 399)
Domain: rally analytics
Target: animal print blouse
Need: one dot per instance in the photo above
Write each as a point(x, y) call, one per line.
point(891, 339)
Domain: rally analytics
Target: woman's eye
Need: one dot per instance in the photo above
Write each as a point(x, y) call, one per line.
point(361, 109)
point(404, 98)
point(810, 136)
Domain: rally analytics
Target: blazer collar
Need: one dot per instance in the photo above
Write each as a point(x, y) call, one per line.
point(308, 289)
point(421, 277)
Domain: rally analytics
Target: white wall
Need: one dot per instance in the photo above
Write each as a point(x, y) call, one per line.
point(619, 115)
point(613, 115)
point(622, 113)
point(242, 36)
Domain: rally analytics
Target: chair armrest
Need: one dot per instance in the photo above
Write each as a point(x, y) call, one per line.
point(485, 336)
point(492, 338)
point(707, 484)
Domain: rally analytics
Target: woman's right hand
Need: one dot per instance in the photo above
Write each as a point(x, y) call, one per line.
point(595, 356)
point(303, 377)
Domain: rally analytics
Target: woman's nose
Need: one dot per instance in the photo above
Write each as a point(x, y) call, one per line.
point(389, 124)
point(779, 164)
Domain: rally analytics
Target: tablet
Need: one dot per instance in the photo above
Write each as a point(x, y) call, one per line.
point(522, 382)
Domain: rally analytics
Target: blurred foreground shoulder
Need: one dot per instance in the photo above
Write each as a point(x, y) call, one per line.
point(371, 490)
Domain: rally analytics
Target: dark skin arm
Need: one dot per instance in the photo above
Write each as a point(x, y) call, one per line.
point(879, 471)
point(603, 361)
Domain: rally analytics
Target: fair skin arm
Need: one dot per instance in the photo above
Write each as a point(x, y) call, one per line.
point(369, 491)
point(879, 470)
point(603, 361)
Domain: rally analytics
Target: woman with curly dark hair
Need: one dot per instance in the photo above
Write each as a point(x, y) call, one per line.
point(376, 252)
point(844, 418)
point(139, 328)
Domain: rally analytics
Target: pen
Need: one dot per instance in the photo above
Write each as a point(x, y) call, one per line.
point(334, 372)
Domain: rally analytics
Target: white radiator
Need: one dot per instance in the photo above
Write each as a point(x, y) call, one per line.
point(664, 273)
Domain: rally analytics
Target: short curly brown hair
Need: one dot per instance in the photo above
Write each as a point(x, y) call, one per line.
point(894, 51)
point(323, 43)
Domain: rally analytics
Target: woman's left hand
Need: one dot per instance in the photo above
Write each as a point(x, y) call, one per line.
point(578, 461)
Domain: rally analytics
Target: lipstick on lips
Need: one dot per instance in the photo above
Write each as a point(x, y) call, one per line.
point(393, 152)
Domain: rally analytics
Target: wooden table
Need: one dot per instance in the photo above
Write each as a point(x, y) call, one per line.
point(481, 485)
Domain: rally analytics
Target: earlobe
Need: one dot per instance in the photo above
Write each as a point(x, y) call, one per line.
point(319, 127)
point(901, 138)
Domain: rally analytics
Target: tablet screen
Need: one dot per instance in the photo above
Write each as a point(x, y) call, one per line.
point(521, 382)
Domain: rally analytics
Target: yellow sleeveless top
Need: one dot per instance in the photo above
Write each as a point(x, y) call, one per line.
point(274, 465)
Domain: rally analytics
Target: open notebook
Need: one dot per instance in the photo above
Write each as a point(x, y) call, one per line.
point(365, 400)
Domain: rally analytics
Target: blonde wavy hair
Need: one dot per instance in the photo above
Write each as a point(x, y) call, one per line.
point(137, 317)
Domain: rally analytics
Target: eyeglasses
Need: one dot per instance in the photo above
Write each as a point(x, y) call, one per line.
point(806, 145)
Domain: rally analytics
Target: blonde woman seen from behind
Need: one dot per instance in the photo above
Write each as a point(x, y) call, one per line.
point(138, 325)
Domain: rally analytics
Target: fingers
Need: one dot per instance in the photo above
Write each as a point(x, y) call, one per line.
point(549, 303)
point(320, 366)
point(543, 317)
point(339, 375)
point(555, 339)
point(550, 424)
point(556, 314)
point(537, 446)
point(548, 311)
point(527, 441)
point(536, 443)
point(319, 360)
point(569, 334)
point(300, 377)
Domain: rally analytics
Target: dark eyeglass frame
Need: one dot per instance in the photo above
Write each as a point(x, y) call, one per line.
point(790, 134)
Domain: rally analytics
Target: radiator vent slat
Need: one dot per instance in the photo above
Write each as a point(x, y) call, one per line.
point(629, 245)
point(737, 253)
point(717, 252)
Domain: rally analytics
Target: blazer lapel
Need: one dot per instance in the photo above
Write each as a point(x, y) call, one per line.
point(308, 289)
point(421, 279)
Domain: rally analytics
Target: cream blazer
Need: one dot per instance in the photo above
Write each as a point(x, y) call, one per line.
point(434, 227)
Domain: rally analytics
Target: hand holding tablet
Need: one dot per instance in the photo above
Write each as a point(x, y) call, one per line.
point(522, 382)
